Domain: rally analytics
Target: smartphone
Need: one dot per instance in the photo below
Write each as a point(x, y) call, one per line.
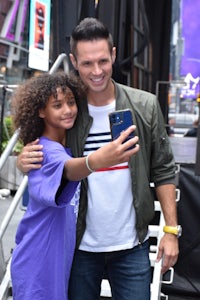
point(120, 120)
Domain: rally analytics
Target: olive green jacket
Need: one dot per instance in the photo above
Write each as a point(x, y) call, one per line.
point(153, 163)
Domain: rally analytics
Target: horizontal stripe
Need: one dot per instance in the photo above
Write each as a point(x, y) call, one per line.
point(88, 142)
point(112, 168)
point(98, 134)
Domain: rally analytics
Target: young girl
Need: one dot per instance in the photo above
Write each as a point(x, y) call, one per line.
point(45, 107)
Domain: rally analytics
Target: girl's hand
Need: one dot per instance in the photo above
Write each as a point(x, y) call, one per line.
point(115, 152)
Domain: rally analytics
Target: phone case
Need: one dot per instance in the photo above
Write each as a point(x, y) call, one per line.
point(120, 120)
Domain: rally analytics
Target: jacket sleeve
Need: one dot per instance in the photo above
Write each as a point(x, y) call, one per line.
point(162, 160)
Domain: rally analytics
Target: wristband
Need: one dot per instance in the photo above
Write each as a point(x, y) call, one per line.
point(87, 163)
point(176, 230)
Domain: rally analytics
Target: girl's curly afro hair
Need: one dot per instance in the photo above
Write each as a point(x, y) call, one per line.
point(33, 94)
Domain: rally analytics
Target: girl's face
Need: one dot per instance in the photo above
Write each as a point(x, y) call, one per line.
point(60, 113)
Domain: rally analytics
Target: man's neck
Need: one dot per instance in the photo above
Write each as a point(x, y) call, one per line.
point(102, 98)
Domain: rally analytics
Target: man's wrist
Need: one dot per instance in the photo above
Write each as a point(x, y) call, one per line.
point(176, 230)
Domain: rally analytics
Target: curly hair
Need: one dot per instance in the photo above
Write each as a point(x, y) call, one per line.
point(33, 94)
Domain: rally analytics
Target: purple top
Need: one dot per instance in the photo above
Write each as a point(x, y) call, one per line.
point(45, 238)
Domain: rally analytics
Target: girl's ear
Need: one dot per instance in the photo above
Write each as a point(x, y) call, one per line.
point(41, 113)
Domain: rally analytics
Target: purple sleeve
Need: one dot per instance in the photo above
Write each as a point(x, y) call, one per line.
point(44, 182)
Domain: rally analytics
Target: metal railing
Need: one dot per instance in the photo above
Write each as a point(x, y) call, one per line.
point(9, 148)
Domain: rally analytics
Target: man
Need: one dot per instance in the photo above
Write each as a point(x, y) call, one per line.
point(116, 204)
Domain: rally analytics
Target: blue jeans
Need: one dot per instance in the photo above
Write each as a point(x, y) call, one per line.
point(128, 272)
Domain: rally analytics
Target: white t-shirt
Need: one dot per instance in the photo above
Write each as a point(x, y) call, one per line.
point(110, 221)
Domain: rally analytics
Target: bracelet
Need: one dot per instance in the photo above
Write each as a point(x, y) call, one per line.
point(87, 163)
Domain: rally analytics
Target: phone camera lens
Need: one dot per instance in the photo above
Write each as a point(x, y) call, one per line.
point(117, 118)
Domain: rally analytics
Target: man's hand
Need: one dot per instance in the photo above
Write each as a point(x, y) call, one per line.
point(168, 251)
point(168, 247)
point(30, 157)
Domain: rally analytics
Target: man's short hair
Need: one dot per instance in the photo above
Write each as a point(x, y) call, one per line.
point(90, 29)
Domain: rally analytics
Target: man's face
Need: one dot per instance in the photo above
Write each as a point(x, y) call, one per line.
point(94, 63)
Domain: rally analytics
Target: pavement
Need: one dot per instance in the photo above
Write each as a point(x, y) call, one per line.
point(8, 240)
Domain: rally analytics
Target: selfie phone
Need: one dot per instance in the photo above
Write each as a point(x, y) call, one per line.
point(120, 120)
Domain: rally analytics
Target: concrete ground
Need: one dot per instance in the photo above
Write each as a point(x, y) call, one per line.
point(8, 241)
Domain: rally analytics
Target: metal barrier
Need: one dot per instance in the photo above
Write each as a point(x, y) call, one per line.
point(62, 58)
point(9, 148)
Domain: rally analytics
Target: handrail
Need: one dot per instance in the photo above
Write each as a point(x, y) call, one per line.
point(9, 148)
point(61, 58)
point(13, 206)
point(8, 87)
